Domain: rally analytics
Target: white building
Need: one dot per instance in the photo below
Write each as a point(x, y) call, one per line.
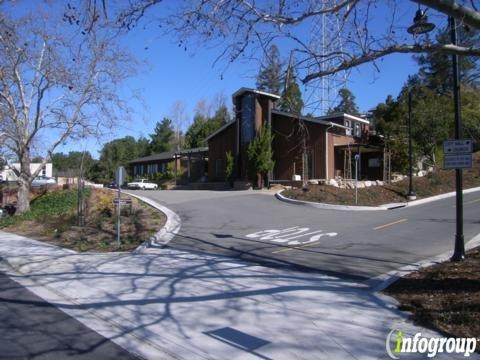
point(7, 174)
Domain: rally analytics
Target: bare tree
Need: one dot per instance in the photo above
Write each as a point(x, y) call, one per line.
point(58, 83)
point(370, 29)
point(178, 114)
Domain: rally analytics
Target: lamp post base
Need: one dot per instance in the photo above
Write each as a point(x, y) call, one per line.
point(459, 252)
point(411, 196)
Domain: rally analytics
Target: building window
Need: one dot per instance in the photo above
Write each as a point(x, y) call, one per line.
point(248, 118)
point(348, 131)
point(162, 167)
point(358, 130)
point(219, 168)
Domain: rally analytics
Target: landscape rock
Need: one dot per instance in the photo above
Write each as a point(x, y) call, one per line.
point(313, 182)
point(367, 183)
point(333, 182)
point(379, 183)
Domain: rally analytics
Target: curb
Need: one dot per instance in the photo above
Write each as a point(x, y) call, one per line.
point(324, 206)
point(381, 282)
point(390, 206)
point(167, 232)
point(440, 197)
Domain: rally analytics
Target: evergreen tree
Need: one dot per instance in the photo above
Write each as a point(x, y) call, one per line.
point(143, 147)
point(69, 164)
point(291, 100)
point(163, 137)
point(115, 153)
point(436, 68)
point(202, 127)
point(197, 132)
point(346, 105)
point(269, 76)
point(260, 154)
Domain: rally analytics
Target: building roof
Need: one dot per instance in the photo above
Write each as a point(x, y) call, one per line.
point(167, 155)
point(255, 91)
point(192, 151)
point(317, 120)
point(345, 115)
point(218, 131)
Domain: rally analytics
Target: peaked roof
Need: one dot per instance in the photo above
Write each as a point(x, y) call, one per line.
point(345, 115)
point(167, 155)
point(323, 120)
point(220, 130)
point(255, 91)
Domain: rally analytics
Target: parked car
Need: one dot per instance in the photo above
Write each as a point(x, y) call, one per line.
point(142, 184)
point(112, 185)
point(43, 181)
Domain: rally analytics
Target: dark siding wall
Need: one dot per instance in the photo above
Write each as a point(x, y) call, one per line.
point(218, 146)
point(287, 147)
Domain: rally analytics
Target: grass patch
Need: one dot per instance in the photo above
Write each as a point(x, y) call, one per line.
point(46, 205)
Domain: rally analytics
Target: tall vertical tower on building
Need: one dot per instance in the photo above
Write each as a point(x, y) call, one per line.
point(326, 40)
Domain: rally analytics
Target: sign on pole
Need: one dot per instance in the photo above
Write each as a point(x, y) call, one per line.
point(457, 154)
point(120, 176)
point(463, 146)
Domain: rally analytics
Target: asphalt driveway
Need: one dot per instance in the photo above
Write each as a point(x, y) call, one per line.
point(360, 245)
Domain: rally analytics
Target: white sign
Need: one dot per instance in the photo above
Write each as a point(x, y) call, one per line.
point(291, 236)
point(457, 146)
point(120, 176)
point(457, 161)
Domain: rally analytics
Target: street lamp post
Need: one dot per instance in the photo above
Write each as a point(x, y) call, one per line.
point(422, 26)
point(411, 194)
point(459, 252)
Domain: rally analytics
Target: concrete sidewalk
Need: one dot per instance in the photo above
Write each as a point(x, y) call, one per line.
point(162, 303)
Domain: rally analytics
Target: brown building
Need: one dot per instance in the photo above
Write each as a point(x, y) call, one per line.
point(185, 166)
point(303, 147)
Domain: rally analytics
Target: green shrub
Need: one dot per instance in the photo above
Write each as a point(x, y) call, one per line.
point(47, 205)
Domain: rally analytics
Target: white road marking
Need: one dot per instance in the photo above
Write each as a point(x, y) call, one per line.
point(287, 236)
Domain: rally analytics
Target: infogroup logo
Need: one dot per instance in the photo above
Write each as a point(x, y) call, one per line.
point(397, 343)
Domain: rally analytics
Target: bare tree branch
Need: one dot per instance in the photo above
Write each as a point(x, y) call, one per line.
point(58, 83)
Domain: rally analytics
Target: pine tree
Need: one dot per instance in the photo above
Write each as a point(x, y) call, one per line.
point(436, 68)
point(291, 100)
point(269, 76)
point(346, 105)
point(260, 154)
point(202, 127)
point(163, 137)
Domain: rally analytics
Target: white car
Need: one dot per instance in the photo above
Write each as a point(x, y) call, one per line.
point(43, 181)
point(142, 184)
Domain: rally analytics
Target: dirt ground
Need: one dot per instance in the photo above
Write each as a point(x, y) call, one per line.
point(444, 297)
point(99, 233)
point(438, 182)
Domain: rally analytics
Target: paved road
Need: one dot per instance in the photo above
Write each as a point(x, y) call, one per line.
point(30, 328)
point(353, 244)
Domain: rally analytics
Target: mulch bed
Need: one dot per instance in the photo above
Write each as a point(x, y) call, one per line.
point(435, 183)
point(444, 297)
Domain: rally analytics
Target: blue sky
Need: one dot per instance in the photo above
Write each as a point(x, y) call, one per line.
point(170, 74)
